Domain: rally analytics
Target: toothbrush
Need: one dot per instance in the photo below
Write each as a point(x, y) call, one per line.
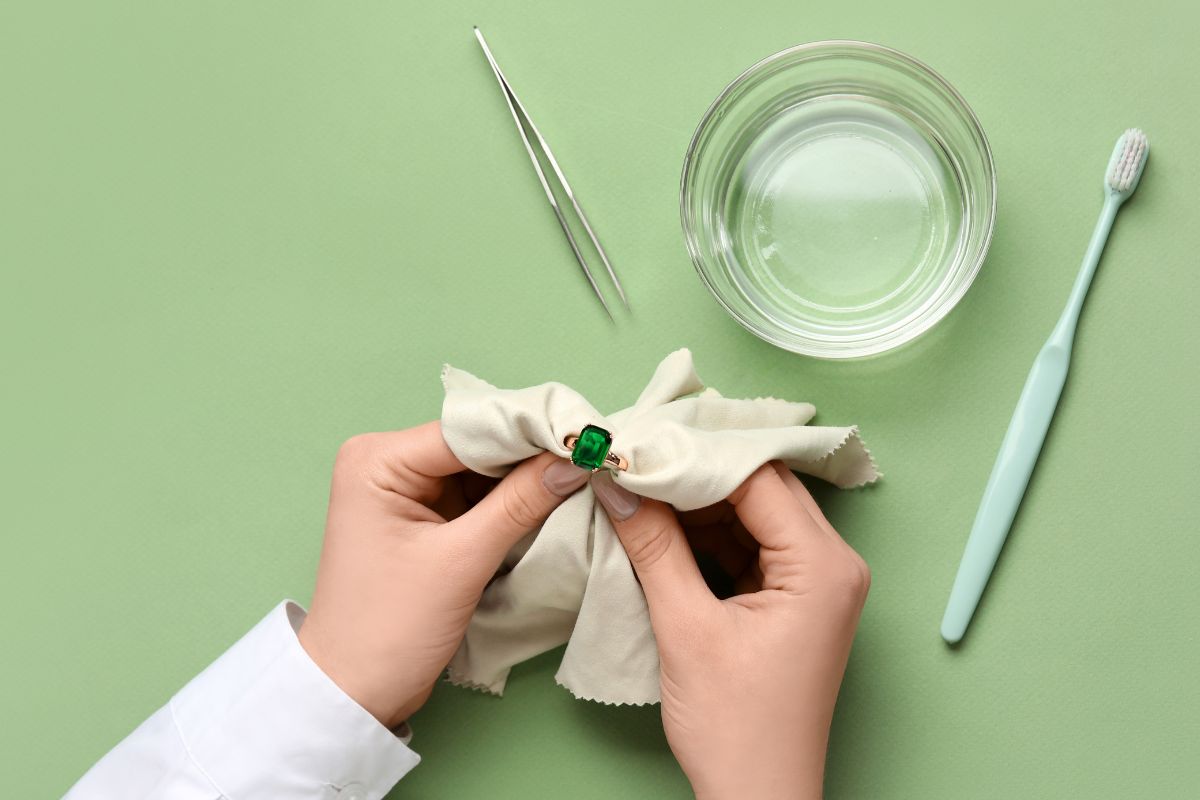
point(1031, 419)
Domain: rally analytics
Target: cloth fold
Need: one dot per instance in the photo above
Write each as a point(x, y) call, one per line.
point(571, 580)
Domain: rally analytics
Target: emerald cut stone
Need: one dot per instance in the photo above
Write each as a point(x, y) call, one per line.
point(591, 448)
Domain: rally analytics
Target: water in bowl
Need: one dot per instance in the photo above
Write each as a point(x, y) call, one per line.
point(840, 215)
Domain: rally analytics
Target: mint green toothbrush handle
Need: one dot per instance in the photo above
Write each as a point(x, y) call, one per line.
point(1006, 486)
point(1020, 448)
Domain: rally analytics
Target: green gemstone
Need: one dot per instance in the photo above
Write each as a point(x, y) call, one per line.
point(591, 448)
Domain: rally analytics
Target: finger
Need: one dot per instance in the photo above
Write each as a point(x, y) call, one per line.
point(421, 450)
point(797, 488)
point(657, 548)
point(410, 463)
point(801, 492)
point(772, 514)
point(520, 503)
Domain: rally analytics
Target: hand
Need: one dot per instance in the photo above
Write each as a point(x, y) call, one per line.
point(749, 682)
point(407, 555)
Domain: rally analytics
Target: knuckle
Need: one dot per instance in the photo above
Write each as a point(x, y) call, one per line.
point(356, 450)
point(850, 576)
point(864, 572)
point(519, 508)
point(647, 546)
point(360, 459)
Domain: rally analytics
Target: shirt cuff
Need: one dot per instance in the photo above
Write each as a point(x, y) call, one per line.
point(264, 721)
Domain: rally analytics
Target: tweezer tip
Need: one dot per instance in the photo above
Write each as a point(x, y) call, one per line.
point(600, 297)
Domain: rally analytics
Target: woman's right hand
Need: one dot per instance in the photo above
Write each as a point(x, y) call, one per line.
point(749, 682)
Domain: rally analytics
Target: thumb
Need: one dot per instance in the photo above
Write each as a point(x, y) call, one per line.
point(657, 548)
point(520, 503)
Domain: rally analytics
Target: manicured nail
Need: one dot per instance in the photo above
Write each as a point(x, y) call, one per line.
point(620, 503)
point(563, 478)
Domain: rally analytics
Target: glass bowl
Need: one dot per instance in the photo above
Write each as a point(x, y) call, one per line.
point(838, 198)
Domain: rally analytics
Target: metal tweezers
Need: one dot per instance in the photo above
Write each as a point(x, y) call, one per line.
point(521, 118)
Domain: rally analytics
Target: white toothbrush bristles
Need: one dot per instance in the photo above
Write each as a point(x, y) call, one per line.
point(1128, 166)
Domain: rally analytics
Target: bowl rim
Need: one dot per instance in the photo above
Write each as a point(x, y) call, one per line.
point(856, 349)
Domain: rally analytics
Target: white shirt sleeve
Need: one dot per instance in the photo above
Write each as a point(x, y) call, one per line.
point(263, 721)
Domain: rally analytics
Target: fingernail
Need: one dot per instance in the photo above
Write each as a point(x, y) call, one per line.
point(620, 503)
point(562, 478)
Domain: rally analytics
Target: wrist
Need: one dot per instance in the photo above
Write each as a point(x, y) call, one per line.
point(753, 764)
point(382, 695)
point(760, 787)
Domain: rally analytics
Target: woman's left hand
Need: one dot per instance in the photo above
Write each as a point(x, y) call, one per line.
point(411, 540)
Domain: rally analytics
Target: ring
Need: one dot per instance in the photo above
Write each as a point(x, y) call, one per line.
point(590, 450)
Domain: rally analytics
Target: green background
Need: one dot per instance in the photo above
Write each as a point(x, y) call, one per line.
point(234, 234)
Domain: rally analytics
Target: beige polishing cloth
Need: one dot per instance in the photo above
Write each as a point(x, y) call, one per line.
point(571, 581)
